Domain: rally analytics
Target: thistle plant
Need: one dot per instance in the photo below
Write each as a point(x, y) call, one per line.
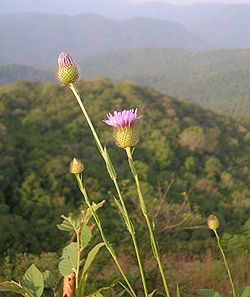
point(76, 168)
point(126, 136)
point(63, 63)
point(75, 263)
point(213, 224)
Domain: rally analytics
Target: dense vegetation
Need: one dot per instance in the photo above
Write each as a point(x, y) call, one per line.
point(204, 156)
point(217, 79)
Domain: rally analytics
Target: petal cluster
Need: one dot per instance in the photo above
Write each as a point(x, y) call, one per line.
point(65, 59)
point(122, 119)
point(68, 71)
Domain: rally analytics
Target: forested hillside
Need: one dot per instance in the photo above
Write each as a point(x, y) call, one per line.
point(13, 72)
point(203, 155)
point(216, 79)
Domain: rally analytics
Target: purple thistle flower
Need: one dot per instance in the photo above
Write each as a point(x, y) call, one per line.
point(65, 59)
point(122, 119)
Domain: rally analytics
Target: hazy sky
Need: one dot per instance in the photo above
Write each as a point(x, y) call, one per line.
point(193, 1)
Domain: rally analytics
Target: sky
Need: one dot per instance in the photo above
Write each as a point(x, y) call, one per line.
point(193, 1)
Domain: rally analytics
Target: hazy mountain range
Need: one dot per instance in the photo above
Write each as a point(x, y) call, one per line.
point(183, 50)
point(37, 39)
point(219, 25)
point(216, 79)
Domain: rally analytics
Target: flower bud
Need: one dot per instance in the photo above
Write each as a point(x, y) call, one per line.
point(126, 137)
point(76, 166)
point(67, 71)
point(123, 122)
point(212, 222)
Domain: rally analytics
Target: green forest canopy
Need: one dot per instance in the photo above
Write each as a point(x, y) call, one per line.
point(42, 129)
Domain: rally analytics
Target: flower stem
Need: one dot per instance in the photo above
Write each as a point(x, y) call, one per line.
point(78, 256)
point(225, 262)
point(125, 215)
point(149, 225)
point(132, 232)
point(78, 98)
point(98, 223)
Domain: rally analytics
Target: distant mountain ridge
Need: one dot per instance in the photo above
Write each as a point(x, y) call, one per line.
point(216, 79)
point(41, 37)
point(13, 72)
point(219, 25)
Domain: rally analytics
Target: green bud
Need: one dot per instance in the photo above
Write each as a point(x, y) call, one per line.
point(68, 74)
point(76, 166)
point(212, 222)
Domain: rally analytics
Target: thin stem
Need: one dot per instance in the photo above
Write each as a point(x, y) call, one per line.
point(149, 225)
point(225, 262)
point(132, 232)
point(114, 179)
point(78, 98)
point(78, 256)
point(98, 223)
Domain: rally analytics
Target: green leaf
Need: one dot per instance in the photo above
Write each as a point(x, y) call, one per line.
point(121, 293)
point(208, 293)
point(87, 265)
point(48, 279)
point(86, 235)
point(132, 166)
point(107, 290)
point(152, 293)
point(98, 294)
point(110, 167)
point(68, 261)
point(88, 214)
point(10, 286)
point(178, 294)
point(118, 204)
point(33, 281)
point(243, 292)
point(68, 224)
point(126, 289)
point(91, 257)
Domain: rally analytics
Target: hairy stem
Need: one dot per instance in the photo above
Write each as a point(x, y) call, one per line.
point(125, 215)
point(78, 98)
point(149, 225)
point(78, 256)
point(107, 244)
point(132, 232)
point(225, 262)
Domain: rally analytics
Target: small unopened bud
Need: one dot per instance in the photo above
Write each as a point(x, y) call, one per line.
point(76, 166)
point(212, 222)
point(126, 137)
point(67, 71)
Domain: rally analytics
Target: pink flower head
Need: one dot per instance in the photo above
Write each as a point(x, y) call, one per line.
point(122, 119)
point(65, 59)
